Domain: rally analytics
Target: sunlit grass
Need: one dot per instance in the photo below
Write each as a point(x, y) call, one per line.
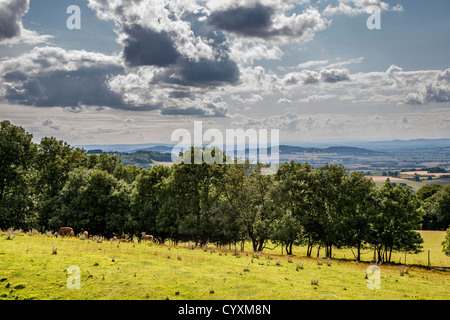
point(29, 270)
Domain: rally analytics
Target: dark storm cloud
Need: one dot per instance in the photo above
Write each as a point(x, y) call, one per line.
point(143, 47)
point(147, 47)
point(202, 73)
point(84, 86)
point(11, 12)
point(268, 23)
point(209, 72)
point(253, 21)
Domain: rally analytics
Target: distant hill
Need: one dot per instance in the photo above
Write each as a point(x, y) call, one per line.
point(285, 150)
point(350, 150)
point(161, 149)
point(124, 147)
point(144, 159)
point(402, 145)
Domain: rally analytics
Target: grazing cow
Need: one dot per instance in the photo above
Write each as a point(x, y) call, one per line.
point(147, 237)
point(65, 231)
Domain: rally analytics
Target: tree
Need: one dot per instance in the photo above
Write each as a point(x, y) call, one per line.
point(188, 199)
point(246, 191)
point(394, 225)
point(146, 200)
point(446, 243)
point(95, 201)
point(327, 185)
point(293, 196)
point(17, 152)
point(358, 201)
point(54, 162)
point(436, 210)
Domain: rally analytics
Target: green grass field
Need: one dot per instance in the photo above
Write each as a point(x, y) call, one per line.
point(30, 270)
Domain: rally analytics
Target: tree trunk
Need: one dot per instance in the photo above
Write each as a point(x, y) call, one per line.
point(358, 255)
point(261, 245)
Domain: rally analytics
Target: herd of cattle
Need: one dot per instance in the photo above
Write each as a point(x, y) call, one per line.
point(68, 232)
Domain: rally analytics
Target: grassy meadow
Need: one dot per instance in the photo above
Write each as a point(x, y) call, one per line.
point(30, 269)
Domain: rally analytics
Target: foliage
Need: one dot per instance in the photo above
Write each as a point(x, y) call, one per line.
point(436, 209)
point(446, 243)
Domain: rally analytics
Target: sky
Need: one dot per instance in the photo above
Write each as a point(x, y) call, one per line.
point(138, 70)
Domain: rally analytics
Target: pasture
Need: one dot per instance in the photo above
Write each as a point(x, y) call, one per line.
point(35, 267)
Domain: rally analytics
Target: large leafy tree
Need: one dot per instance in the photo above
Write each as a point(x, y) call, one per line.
point(54, 162)
point(188, 200)
point(393, 228)
point(146, 200)
point(358, 207)
point(95, 201)
point(17, 152)
point(437, 209)
point(246, 192)
point(294, 199)
point(327, 185)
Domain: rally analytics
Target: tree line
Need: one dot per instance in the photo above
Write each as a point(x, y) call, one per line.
point(48, 185)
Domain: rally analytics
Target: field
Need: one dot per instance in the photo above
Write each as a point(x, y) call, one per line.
point(30, 269)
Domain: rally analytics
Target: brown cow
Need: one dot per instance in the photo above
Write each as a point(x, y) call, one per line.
point(65, 231)
point(86, 235)
point(147, 237)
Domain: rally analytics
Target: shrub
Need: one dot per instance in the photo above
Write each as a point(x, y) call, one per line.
point(446, 243)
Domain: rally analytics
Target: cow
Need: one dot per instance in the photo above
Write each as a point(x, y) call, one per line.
point(147, 237)
point(114, 239)
point(84, 235)
point(65, 231)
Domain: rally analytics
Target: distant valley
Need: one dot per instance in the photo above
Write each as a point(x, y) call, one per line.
point(373, 157)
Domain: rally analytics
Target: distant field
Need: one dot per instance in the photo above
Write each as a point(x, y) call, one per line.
point(423, 173)
point(29, 270)
point(380, 180)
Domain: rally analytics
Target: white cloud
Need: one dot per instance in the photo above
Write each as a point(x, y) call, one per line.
point(356, 7)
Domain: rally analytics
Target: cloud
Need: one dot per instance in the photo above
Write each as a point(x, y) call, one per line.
point(312, 63)
point(247, 51)
point(357, 7)
point(334, 75)
point(434, 91)
point(47, 77)
point(255, 21)
point(147, 47)
point(268, 22)
point(11, 12)
point(11, 28)
point(306, 77)
point(174, 37)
